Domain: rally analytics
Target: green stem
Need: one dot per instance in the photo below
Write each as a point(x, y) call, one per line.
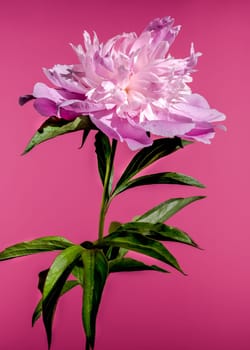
point(106, 190)
point(87, 346)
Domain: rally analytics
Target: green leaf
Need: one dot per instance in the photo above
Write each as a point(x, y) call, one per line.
point(38, 310)
point(54, 127)
point(165, 210)
point(141, 244)
point(111, 252)
point(114, 252)
point(95, 275)
point(84, 137)
point(158, 231)
point(159, 178)
point(129, 264)
point(41, 279)
point(148, 155)
point(78, 272)
point(114, 225)
point(56, 278)
point(43, 244)
point(103, 151)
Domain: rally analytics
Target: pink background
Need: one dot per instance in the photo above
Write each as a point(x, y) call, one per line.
point(55, 189)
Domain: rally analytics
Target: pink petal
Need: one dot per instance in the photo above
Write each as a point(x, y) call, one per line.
point(197, 108)
point(43, 91)
point(171, 127)
point(45, 107)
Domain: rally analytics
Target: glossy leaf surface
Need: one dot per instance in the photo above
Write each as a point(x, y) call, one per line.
point(148, 155)
point(103, 151)
point(165, 210)
point(95, 275)
point(54, 283)
point(158, 231)
point(135, 241)
point(159, 178)
point(129, 265)
point(43, 244)
point(54, 127)
point(38, 310)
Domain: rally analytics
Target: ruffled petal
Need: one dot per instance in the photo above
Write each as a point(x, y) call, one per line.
point(130, 86)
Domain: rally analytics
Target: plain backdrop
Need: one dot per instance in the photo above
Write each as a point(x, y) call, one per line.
point(55, 189)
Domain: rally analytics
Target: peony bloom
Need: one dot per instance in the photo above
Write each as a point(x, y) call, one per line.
point(131, 88)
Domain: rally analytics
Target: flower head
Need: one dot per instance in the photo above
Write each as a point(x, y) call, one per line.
point(131, 88)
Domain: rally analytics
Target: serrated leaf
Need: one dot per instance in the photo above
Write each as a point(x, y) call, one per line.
point(54, 127)
point(43, 244)
point(38, 310)
point(148, 155)
point(55, 280)
point(158, 231)
point(103, 151)
point(141, 244)
point(95, 275)
point(129, 264)
point(159, 178)
point(165, 210)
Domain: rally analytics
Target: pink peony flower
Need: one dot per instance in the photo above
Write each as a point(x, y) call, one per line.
point(131, 88)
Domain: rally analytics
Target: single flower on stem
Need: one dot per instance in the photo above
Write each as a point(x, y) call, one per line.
point(128, 89)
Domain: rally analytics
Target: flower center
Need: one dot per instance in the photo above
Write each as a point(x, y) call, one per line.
point(127, 89)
